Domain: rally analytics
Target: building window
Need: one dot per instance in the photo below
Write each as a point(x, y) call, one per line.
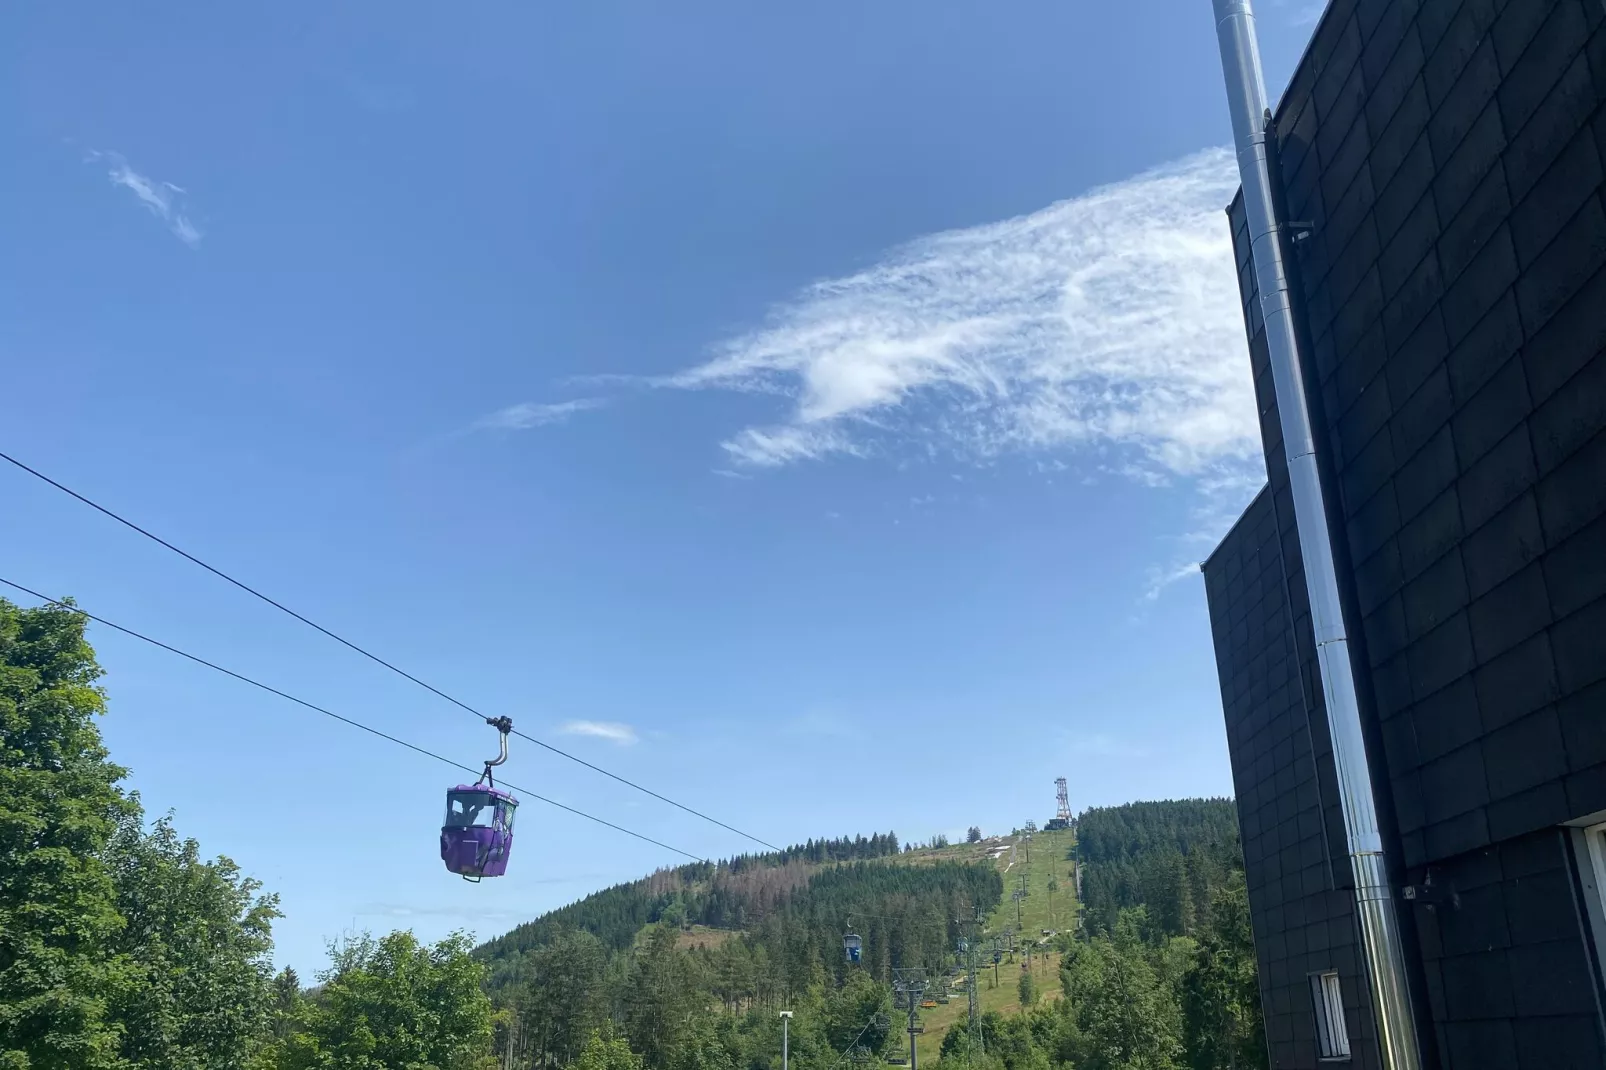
point(1589, 850)
point(1595, 837)
point(1332, 1038)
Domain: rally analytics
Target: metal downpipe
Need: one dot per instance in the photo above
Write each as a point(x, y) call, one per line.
point(1375, 903)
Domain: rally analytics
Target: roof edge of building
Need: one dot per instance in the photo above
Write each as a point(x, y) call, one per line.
point(1205, 564)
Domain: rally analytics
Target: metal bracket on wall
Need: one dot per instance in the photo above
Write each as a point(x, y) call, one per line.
point(1430, 894)
point(1299, 230)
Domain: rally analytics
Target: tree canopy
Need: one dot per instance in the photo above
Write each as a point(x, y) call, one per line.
point(60, 806)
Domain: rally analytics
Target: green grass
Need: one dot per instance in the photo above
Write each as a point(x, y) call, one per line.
point(1047, 859)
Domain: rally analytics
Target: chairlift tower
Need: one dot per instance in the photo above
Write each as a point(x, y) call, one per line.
point(909, 984)
point(974, 1045)
point(1062, 795)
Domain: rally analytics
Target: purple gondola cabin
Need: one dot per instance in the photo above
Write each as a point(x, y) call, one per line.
point(477, 836)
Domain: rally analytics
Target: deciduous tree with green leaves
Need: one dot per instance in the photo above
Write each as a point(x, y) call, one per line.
point(395, 1004)
point(611, 1053)
point(59, 808)
point(859, 1014)
point(198, 942)
point(1127, 1016)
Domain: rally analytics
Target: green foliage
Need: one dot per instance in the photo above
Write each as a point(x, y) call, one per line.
point(1127, 1017)
point(59, 808)
point(394, 1003)
point(727, 894)
point(794, 919)
point(287, 1004)
point(1220, 1000)
point(563, 999)
point(1169, 856)
point(1030, 1040)
point(846, 1011)
point(1028, 990)
point(606, 1054)
point(707, 1043)
point(197, 942)
point(659, 999)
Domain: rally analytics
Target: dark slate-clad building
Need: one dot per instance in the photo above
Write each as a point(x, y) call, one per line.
point(1448, 157)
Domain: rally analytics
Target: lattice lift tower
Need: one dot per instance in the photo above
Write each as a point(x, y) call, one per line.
point(974, 1047)
point(909, 985)
point(1063, 796)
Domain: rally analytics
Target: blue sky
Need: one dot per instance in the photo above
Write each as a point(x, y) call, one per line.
point(811, 411)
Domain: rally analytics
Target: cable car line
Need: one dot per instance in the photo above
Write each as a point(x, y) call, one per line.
point(874, 1019)
point(375, 658)
point(197, 659)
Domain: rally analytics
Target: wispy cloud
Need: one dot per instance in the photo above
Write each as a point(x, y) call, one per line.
point(612, 731)
point(1219, 499)
point(1161, 578)
point(163, 200)
point(771, 447)
point(1110, 320)
point(528, 414)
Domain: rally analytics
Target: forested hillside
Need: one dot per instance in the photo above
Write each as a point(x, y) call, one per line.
point(723, 894)
point(791, 916)
point(1160, 975)
point(1164, 964)
point(122, 948)
point(1169, 856)
point(582, 967)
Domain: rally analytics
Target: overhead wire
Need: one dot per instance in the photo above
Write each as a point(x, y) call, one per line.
point(375, 658)
point(270, 689)
point(855, 1042)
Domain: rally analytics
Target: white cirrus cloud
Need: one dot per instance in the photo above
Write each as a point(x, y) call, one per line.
point(1109, 321)
point(771, 447)
point(164, 200)
point(1161, 578)
point(528, 414)
point(612, 731)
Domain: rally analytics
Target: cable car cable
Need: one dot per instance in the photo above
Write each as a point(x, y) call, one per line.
point(874, 1018)
point(281, 607)
point(330, 713)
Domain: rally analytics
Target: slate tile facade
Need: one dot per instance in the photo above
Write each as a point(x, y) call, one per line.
point(1451, 156)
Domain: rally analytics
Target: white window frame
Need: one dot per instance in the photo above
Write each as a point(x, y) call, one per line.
point(1589, 848)
point(1595, 836)
point(1332, 1032)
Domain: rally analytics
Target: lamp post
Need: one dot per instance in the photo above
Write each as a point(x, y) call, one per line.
point(786, 1019)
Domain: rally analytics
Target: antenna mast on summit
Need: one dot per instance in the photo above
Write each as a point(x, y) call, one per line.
point(1063, 797)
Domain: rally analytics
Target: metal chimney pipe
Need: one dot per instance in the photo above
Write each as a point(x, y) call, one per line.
point(1374, 899)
